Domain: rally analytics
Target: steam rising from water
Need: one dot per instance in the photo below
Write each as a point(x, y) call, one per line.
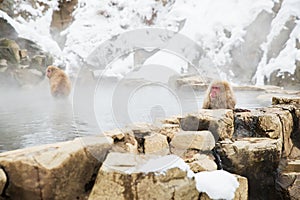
point(30, 117)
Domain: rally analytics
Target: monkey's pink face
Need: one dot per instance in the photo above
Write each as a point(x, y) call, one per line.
point(48, 73)
point(214, 92)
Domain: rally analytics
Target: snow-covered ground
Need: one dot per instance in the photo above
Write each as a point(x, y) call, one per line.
point(218, 27)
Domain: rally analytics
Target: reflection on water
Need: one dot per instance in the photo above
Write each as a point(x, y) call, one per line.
point(32, 117)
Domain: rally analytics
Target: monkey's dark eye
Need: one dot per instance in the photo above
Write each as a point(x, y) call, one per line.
point(48, 70)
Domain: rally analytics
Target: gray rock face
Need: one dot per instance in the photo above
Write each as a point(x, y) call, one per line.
point(7, 31)
point(248, 54)
point(61, 19)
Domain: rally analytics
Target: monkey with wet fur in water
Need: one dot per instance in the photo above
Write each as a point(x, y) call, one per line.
point(219, 95)
point(60, 84)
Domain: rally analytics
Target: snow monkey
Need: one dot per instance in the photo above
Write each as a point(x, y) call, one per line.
point(219, 95)
point(60, 84)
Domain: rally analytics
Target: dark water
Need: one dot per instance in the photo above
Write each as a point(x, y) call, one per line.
point(32, 117)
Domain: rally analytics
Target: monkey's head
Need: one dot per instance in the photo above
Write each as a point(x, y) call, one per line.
point(51, 70)
point(217, 89)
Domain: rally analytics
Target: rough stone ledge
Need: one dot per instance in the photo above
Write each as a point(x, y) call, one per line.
point(55, 171)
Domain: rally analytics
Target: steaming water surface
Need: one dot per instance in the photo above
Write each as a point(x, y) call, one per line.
point(32, 117)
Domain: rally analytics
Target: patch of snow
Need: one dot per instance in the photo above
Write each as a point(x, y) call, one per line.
point(164, 163)
point(217, 184)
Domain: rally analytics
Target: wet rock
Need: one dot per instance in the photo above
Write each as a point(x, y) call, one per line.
point(255, 158)
point(219, 122)
point(265, 122)
point(55, 171)
point(198, 140)
point(10, 51)
point(120, 178)
point(3, 180)
point(245, 124)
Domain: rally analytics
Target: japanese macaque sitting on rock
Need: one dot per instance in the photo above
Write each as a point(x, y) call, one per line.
point(219, 95)
point(60, 84)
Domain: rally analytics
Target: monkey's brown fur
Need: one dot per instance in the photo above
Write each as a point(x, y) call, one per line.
point(225, 99)
point(59, 82)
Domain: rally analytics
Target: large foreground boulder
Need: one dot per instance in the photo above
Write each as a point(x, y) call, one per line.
point(125, 176)
point(55, 171)
point(255, 158)
point(122, 177)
